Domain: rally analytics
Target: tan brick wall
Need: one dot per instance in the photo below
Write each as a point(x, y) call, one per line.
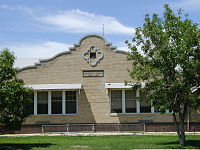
point(194, 116)
point(93, 103)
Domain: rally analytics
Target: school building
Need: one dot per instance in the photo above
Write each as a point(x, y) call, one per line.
point(85, 85)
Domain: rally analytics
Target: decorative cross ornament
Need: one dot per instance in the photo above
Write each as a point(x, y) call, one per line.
point(93, 55)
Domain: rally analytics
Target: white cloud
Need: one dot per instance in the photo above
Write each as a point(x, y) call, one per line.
point(77, 21)
point(124, 48)
point(18, 7)
point(38, 50)
point(71, 21)
point(187, 4)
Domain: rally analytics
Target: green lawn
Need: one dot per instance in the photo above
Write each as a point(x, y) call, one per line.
point(121, 142)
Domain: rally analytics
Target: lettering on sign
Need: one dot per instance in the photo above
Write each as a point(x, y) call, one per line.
point(93, 73)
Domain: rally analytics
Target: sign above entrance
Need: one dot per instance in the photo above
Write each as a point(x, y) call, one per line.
point(93, 73)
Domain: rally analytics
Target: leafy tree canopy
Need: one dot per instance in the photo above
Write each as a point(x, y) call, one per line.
point(14, 96)
point(165, 53)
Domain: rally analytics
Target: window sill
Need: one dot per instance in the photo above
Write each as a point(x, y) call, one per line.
point(55, 115)
point(131, 114)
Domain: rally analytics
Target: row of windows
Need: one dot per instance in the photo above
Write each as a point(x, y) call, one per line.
point(53, 102)
point(65, 102)
point(124, 101)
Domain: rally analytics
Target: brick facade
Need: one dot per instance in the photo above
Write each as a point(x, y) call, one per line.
point(93, 98)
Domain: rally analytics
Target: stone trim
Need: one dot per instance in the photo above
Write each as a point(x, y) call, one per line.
point(87, 53)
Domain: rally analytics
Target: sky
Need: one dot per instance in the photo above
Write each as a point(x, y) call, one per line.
point(43, 28)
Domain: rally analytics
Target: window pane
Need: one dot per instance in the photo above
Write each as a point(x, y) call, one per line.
point(56, 102)
point(130, 101)
point(116, 94)
point(70, 102)
point(92, 55)
point(170, 110)
point(30, 106)
point(144, 106)
point(116, 101)
point(130, 94)
point(42, 102)
point(156, 109)
point(70, 107)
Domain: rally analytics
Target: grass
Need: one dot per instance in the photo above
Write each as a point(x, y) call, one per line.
point(120, 142)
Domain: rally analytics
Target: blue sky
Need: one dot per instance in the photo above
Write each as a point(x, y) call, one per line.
point(42, 28)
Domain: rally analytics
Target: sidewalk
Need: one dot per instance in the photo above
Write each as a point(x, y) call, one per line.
point(97, 134)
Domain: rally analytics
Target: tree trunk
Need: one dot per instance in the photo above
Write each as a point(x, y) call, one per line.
point(180, 129)
point(182, 132)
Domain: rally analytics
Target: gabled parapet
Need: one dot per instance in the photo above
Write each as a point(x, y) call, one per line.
point(73, 48)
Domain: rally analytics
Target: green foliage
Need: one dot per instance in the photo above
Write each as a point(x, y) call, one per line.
point(14, 96)
point(166, 55)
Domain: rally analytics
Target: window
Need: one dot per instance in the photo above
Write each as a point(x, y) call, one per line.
point(116, 101)
point(30, 106)
point(130, 101)
point(56, 102)
point(156, 110)
point(124, 101)
point(169, 111)
point(42, 102)
point(92, 55)
point(145, 107)
point(70, 102)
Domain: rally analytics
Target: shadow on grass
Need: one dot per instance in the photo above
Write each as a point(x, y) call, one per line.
point(25, 146)
point(190, 143)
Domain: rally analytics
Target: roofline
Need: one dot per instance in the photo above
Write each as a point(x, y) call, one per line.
point(73, 48)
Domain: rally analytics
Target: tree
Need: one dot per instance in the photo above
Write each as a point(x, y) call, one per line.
point(14, 96)
point(165, 53)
